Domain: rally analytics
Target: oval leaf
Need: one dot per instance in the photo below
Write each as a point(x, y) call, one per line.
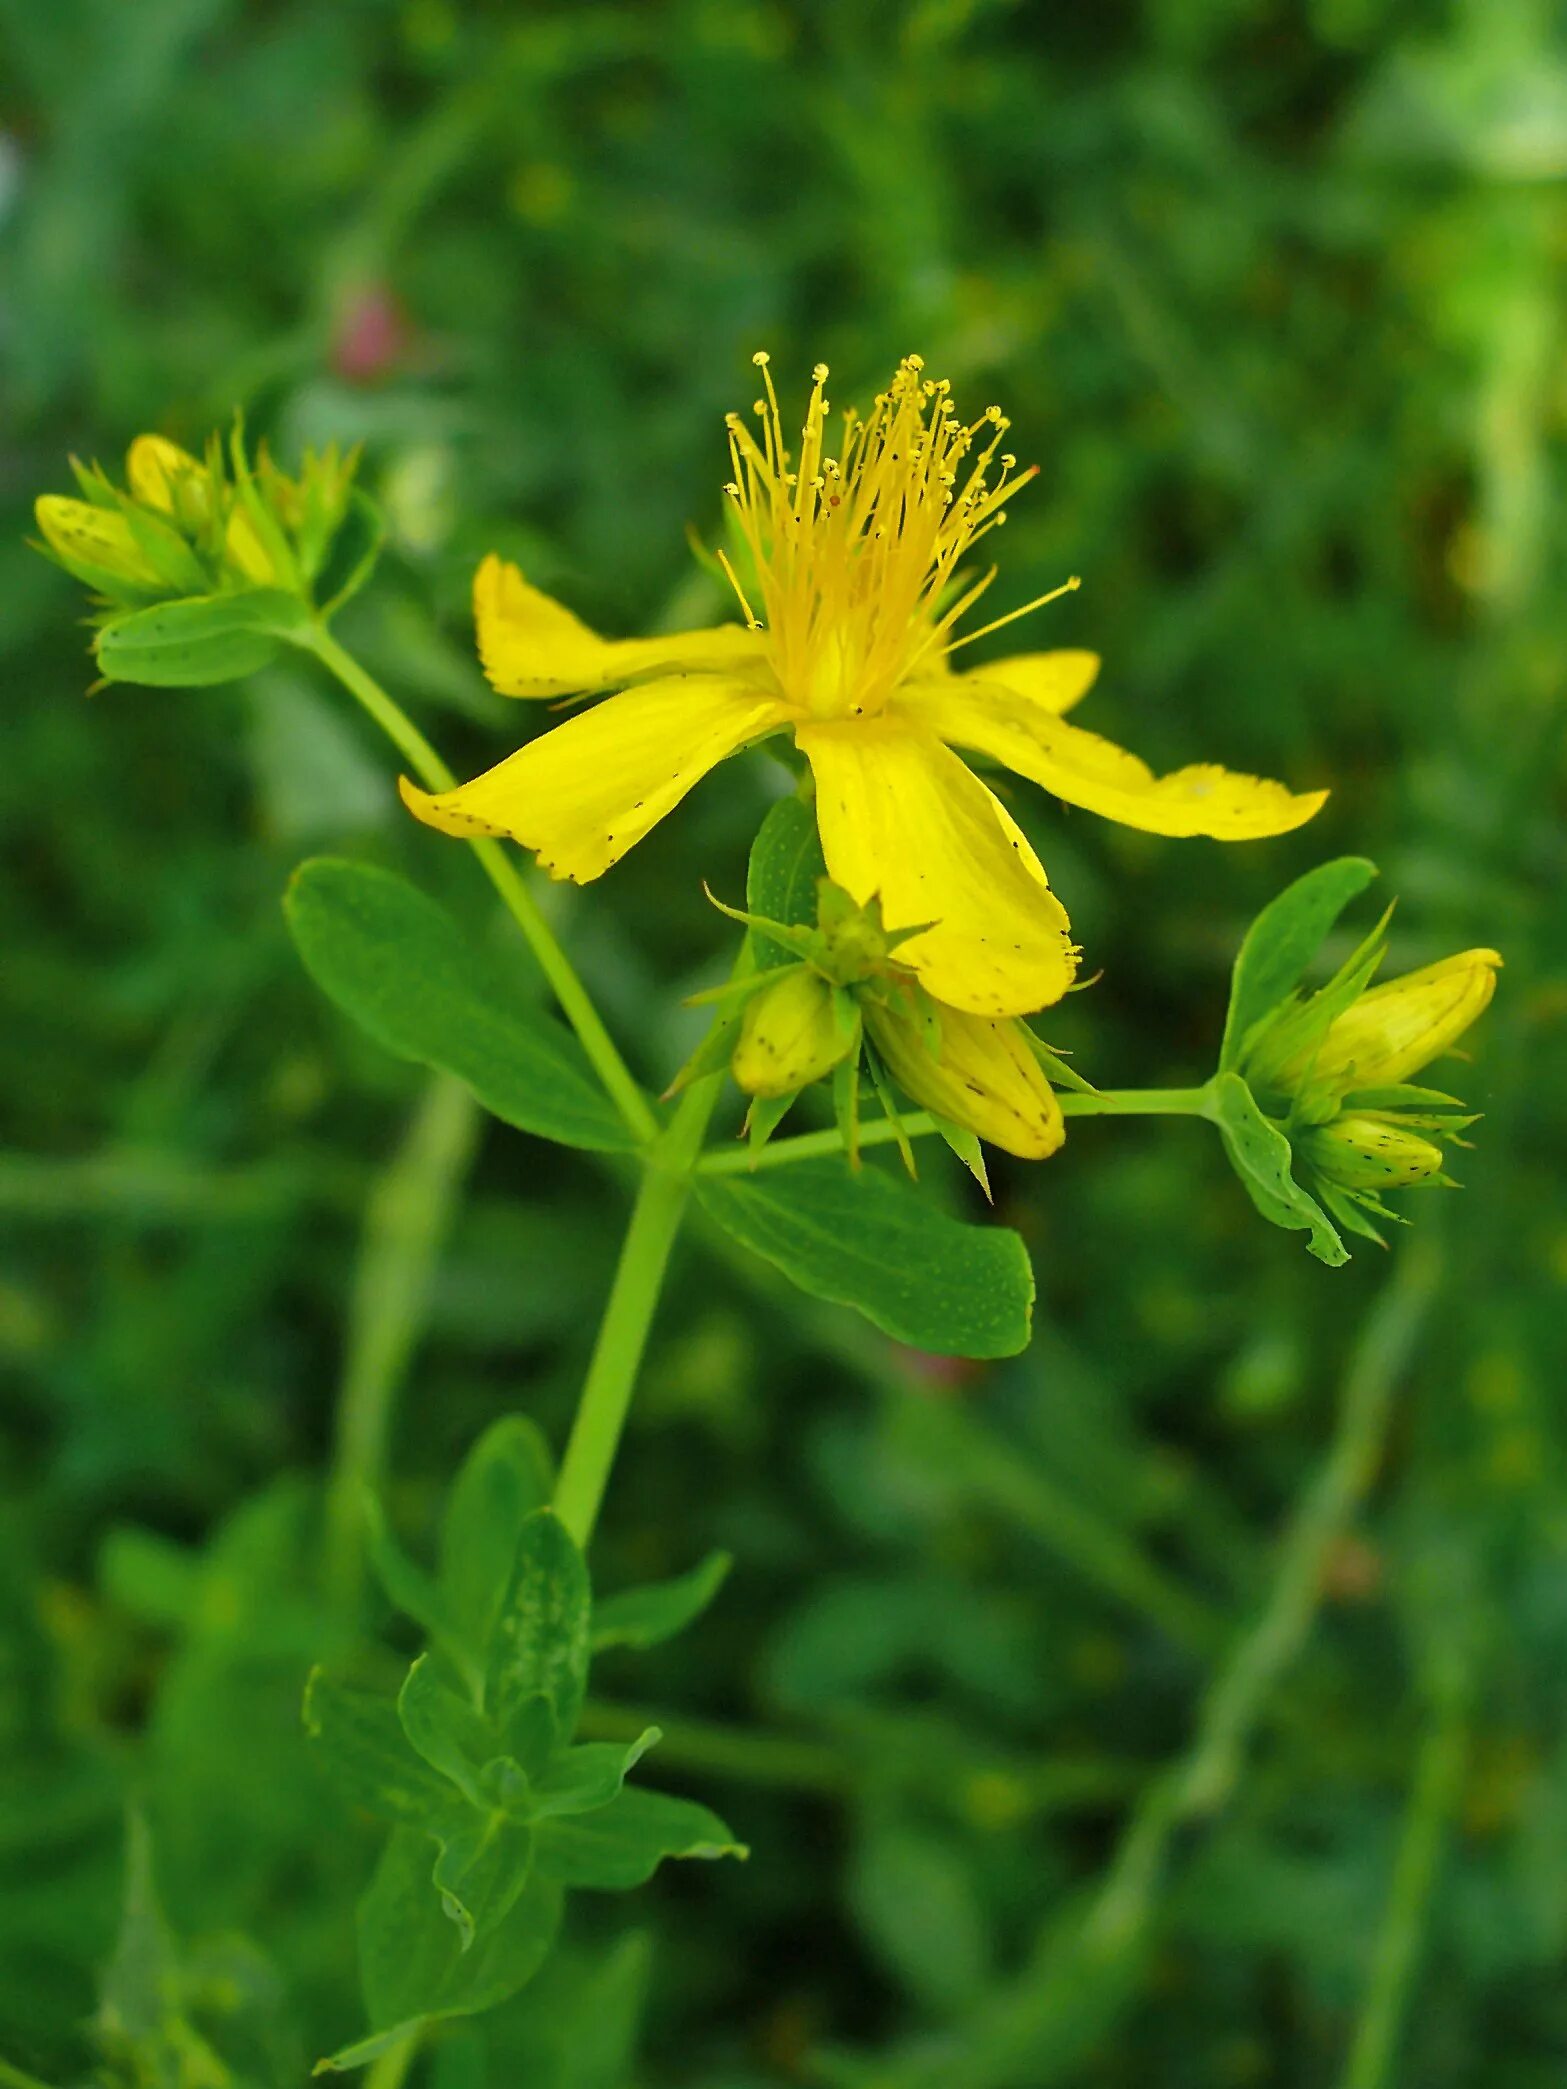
point(786, 862)
point(401, 967)
point(865, 1241)
point(200, 641)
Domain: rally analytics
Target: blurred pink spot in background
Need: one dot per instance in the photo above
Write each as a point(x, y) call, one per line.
point(371, 336)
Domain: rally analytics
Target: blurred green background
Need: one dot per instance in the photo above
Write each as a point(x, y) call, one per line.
point(1274, 294)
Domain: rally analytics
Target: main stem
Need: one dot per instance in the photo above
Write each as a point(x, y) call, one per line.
point(670, 1166)
point(617, 1353)
point(432, 772)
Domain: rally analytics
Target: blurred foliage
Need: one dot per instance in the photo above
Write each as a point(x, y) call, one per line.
point(1273, 290)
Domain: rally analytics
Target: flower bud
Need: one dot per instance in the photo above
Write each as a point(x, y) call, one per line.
point(163, 476)
point(984, 1076)
point(1366, 1152)
point(1395, 1029)
point(789, 1036)
point(98, 547)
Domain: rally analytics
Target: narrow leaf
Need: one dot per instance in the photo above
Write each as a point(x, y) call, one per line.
point(539, 1643)
point(646, 1616)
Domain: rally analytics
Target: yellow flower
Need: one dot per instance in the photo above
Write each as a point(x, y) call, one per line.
point(857, 554)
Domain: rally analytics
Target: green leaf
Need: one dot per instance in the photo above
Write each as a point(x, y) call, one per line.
point(539, 1644)
point(1261, 1156)
point(481, 1871)
point(411, 1959)
point(400, 966)
point(364, 1750)
point(443, 1729)
point(914, 1896)
point(624, 1843)
point(786, 862)
point(583, 1779)
point(1281, 943)
point(863, 1240)
point(647, 1616)
point(198, 641)
point(505, 1478)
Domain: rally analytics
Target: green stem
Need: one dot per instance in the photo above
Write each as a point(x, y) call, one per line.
point(617, 1354)
point(880, 1131)
point(1439, 1771)
point(432, 772)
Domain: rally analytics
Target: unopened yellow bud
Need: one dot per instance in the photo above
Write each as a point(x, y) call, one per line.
point(789, 1036)
point(1394, 1030)
point(1365, 1152)
point(983, 1077)
point(163, 476)
point(97, 545)
point(245, 550)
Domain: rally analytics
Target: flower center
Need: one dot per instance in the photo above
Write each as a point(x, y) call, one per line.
point(856, 549)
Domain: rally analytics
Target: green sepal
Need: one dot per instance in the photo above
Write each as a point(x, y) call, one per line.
point(965, 1144)
point(355, 548)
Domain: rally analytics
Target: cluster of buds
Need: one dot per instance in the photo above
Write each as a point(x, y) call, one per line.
point(185, 526)
point(841, 1007)
point(1336, 1065)
point(200, 565)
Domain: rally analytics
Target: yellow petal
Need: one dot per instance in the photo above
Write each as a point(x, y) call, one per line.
point(1096, 774)
point(154, 467)
point(97, 544)
point(582, 795)
point(533, 646)
point(983, 1077)
point(1053, 681)
point(901, 818)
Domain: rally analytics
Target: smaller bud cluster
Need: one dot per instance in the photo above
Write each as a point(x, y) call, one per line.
point(845, 1007)
point(183, 527)
point(1337, 1066)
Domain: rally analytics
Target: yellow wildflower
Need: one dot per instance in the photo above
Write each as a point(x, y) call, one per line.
point(857, 554)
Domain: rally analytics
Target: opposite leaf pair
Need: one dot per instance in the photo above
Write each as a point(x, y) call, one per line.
point(495, 1809)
